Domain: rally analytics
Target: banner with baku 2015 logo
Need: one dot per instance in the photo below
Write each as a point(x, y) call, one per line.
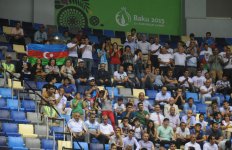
point(150, 16)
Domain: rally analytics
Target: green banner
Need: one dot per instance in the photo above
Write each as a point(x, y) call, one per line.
point(150, 16)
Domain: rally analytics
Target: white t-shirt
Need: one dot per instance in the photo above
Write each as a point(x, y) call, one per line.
point(183, 134)
point(120, 75)
point(159, 96)
point(179, 59)
point(62, 102)
point(192, 61)
point(76, 126)
point(206, 54)
point(87, 52)
point(190, 144)
point(208, 146)
point(229, 65)
point(198, 81)
point(154, 47)
point(223, 54)
point(165, 58)
point(170, 51)
point(120, 108)
point(186, 84)
point(204, 88)
point(106, 129)
point(144, 46)
point(73, 52)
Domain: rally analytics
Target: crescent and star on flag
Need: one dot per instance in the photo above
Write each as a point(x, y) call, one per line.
point(47, 55)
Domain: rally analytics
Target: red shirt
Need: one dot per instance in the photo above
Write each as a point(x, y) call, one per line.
point(115, 59)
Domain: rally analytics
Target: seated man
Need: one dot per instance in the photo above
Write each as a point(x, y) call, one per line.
point(226, 108)
point(189, 119)
point(216, 132)
point(106, 131)
point(210, 145)
point(130, 141)
point(117, 138)
point(200, 135)
point(198, 81)
point(145, 143)
point(119, 107)
point(146, 104)
point(120, 77)
point(162, 97)
point(125, 126)
point(91, 88)
point(148, 79)
point(93, 128)
point(41, 35)
point(77, 127)
point(50, 111)
point(174, 119)
point(49, 95)
point(17, 35)
point(142, 114)
point(157, 117)
point(61, 101)
point(82, 73)
point(169, 105)
point(192, 143)
point(223, 85)
point(182, 134)
point(103, 76)
point(190, 106)
point(129, 112)
point(68, 88)
point(132, 78)
point(185, 81)
point(51, 81)
point(9, 67)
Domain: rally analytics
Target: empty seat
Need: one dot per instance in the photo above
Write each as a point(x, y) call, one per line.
point(137, 91)
point(108, 33)
point(30, 84)
point(93, 39)
point(34, 117)
point(41, 130)
point(107, 146)
point(6, 92)
point(201, 108)
point(47, 144)
point(40, 85)
point(16, 143)
point(96, 146)
point(84, 145)
point(32, 143)
point(28, 105)
point(27, 130)
point(3, 141)
point(5, 115)
point(10, 129)
point(151, 94)
point(64, 144)
point(126, 92)
point(192, 95)
point(3, 104)
point(58, 85)
point(19, 117)
point(113, 90)
point(54, 129)
point(12, 104)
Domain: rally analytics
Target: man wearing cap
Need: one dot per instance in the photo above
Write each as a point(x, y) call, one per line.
point(82, 73)
point(103, 76)
point(92, 87)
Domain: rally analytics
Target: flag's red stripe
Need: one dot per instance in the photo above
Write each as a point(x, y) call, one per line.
point(38, 54)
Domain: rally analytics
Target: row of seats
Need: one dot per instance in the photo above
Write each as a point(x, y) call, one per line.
point(16, 116)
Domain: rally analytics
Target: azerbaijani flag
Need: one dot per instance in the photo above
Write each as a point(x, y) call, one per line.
point(45, 52)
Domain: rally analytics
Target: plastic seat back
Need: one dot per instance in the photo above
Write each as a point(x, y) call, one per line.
point(32, 143)
point(16, 142)
point(27, 130)
point(6, 92)
point(84, 145)
point(12, 104)
point(10, 128)
point(47, 144)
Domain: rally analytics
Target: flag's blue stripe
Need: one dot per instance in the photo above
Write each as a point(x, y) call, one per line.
point(47, 48)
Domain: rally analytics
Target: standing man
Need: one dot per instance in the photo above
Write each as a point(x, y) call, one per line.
point(155, 50)
point(73, 51)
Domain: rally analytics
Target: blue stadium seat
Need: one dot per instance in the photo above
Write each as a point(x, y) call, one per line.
point(19, 117)
point(229, 41)
point(74, 87)
point(57, 129)
point(164, 38)
point(3, 143)
point(108, 33)
point(10, 129)
point(81, 89)
point(16, 143)
point(110, 89)
point(12, 104)
point(28, 105)
point(58, 85)
point(40, 85)
point(67, 117)
point(201, 108)
point(3, 104)
point(93, 39)
point(96, 146)
point(151, 94)
point(193, 95)
point(32, 84)
point(6, 92)
point(107, 146)
point(5, 115)
point(47, 144)
point(84, 145)
point(36, 26)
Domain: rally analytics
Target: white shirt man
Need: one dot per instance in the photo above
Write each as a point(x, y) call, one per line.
point(165, 58)
point(87, 52)
point(156, 116)
point(206, 54)
point(198, 81)
point(162, 97)
point(144, 46)
point(208, 146)
point(190, 144)
point(62, 104)
point(185, 84)
point(76, 126)
point(120, 76)
point(130, 140)
point(106, 128)
point(169, 105)
point(155, 47)
point(73, 49)
point(179, 59)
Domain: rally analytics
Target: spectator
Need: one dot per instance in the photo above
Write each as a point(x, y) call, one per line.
point(26, 72)
point(50, 110)
point(191, 63)
point(144, 46)
point(209, 39)
point(227, 64)
point(142, 114)
point(93, 128)
point(91, 88)
point(174, 119)
point(125, 126)
point(19, 65)
point(68, 88)
point(40, 35)
point(165, 60)
point(82, 73)
point(216, 132)
point(159, 79)
point(215, 65)
point(169, 49)
point(117, 138)
point(67, 71)
point(151, 130)
point(180, 98)
point(205, 53)
point(165, 133)
point(115, 55)
point(138, 63)
point(212, 108)
point(127, 57)
point(106, 131)
point(87, 55)
point(51, 69)
point(202, 122)
point(155, 50)
point(146, 105)
point(192, 143)
point(210, 145)
point(51, 81)
point(119, 107)
point(169, 105)
point(182, 134)
point(223, 85)
point(78, 105)
point(185, 81)
point(200, 134)
point(192, 39)
point(156, 116)
point(226, 108)
point(145, 143)
point(66, 37)
point(189, 119)
point(198, 81)
point(120, 77)
point(148, 79)
point(172, 146)
point(179, 61)
point(103, 76)
point(73, 50)
point(130, 141)
point(8, 66)
point(138, 129)
point(190, 106)
point(61, 102)
point(163, 97)
point(133, 80)
point(77, 127)
point(17, 35)
point(130, 43)
point(38, 71)
point(226, 125)
point(103, 55)
point(170, 81)
point(128, 112)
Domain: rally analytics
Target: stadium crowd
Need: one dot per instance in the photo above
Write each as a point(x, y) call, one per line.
point(140, 63)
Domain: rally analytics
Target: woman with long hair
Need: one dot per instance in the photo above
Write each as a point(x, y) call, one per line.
point(150, 129)
point(52, 69)
point(115, 55)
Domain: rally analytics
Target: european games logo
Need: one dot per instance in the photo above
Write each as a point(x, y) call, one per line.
point(122, 17)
